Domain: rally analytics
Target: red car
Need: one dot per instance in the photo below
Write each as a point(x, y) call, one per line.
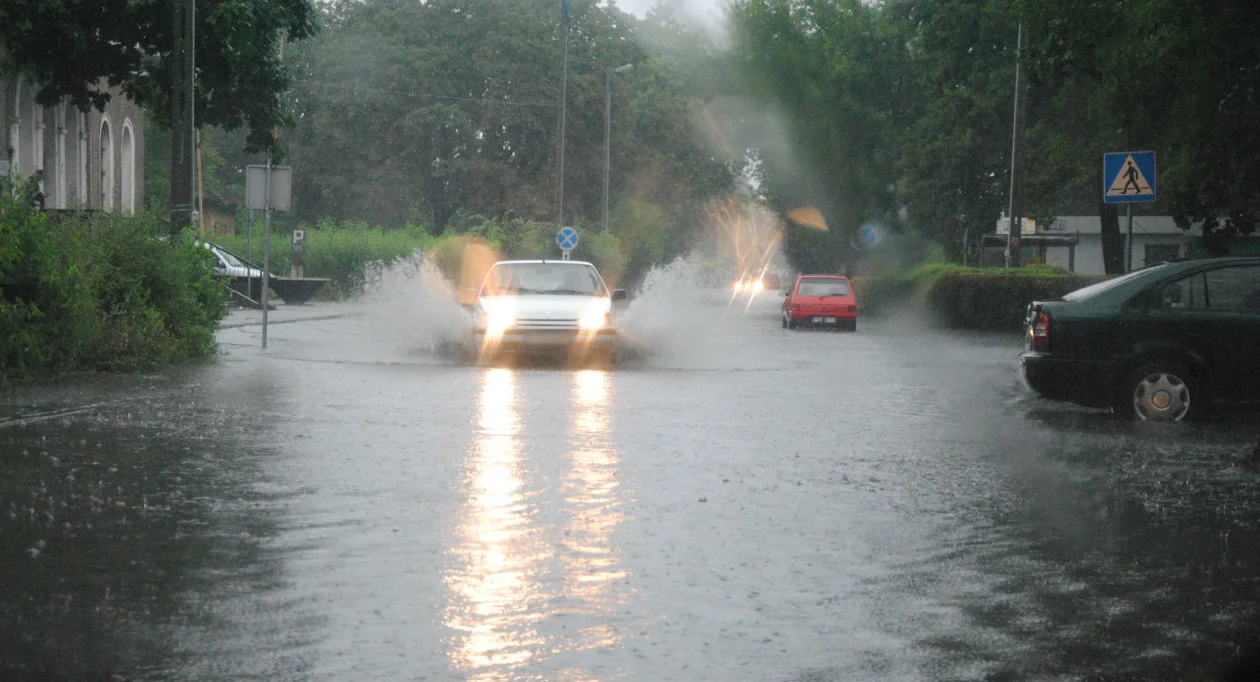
point(820, 300)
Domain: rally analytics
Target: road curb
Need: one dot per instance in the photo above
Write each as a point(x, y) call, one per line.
point(258, 323)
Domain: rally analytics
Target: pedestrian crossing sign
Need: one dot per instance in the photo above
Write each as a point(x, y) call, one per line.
point(1128, 177)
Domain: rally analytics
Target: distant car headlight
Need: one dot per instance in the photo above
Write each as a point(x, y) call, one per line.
point(757, 285)
point(595, 317)
point(738, 287)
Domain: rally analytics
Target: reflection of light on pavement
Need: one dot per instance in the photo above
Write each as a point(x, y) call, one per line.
point(492, 587)
point(594, 579)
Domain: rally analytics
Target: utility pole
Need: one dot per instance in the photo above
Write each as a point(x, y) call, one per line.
point(1013, 235)
point(608, 134)
point(564, 96)
point(183, 46)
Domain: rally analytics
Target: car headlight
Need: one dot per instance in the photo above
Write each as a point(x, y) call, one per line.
point(738, 286)
point(757, 285)
point(595, 317)
point(498, 320)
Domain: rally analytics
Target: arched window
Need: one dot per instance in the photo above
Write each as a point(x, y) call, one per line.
point(107, 166)
point(82, 158)
point(37, 136)
point(15, 128)
point(128, 169)
point(61, 195)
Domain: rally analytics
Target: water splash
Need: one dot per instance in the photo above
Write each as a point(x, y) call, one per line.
point(679, 319)
point(410, 304)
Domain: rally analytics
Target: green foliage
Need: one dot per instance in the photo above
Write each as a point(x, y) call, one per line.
point(994, 302)
point(447, 253)
point(990, 299)
point(1193, 100)
point(427, 111)
point(341, 251)
point(73, 49)
point(99, 292)
point(834, 77)
point(645, 234)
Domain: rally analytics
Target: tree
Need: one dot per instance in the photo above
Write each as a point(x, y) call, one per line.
point(1179, 78)
point(956, 144)
point(831, 69)
point(77, 49)
point(414, 112)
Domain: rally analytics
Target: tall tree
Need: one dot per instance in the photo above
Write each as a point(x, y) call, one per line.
point(1181, 78)
point(422, 111)
point(830, 68)
point(75, 49)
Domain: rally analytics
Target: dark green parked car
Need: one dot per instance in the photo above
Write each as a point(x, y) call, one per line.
point(1162, 343)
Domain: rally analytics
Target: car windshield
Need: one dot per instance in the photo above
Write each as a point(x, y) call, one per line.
point(229, 259)
point(1107, 285)
point(823, 286)
point(523, 279)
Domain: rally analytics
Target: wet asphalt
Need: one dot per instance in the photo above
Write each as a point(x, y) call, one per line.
point(734, 501)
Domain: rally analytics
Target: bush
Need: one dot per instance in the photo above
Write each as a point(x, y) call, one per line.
point(100, 292)
point(989, 299)
point(339, 251)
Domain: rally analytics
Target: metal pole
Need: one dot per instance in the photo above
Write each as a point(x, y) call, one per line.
point(182, 124)
point(564, 92)
point(249, 250)
point(1128, 245)
point(266, 273)
point(1011, 234)
point(201, 193)
point(607, 142)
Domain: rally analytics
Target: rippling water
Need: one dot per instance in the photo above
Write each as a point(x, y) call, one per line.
point(741, 503)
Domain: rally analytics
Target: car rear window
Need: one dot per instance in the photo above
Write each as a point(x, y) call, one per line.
point(1107, 285)
point(823, 286)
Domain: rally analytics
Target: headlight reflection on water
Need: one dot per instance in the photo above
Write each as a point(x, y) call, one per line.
point(512, 573)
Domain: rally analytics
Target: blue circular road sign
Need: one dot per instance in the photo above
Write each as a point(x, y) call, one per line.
point(567, 238)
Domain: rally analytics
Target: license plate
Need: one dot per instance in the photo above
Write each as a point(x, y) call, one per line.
point(824, 320)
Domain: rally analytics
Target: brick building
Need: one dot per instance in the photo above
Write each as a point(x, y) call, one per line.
point(92, 159)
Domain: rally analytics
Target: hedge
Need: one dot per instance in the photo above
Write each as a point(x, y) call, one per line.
point(988, 299)
point(100, 292)
point(351, 254)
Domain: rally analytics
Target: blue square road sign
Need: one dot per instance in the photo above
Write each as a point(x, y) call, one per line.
point(1129, 177)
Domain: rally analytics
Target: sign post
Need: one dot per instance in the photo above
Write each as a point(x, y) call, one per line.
point(267, 188)
point(567, 240)
point(1129, 178)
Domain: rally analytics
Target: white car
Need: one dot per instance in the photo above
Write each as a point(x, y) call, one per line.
point(545, 305)
point(228, 265)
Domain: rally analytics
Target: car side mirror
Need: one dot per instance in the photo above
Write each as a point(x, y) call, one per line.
point(618, 294)
point(785, 294)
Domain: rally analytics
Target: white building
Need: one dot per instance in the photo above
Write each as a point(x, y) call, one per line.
point(1155, 239)
point(92, 159)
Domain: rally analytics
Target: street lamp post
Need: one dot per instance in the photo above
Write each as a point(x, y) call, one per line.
point(608, 133)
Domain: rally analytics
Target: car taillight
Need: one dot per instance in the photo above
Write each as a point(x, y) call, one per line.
point(1039, 331)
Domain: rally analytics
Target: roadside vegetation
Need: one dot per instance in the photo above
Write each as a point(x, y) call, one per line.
point(957, 297)
point(100, 292)
point(348, 253)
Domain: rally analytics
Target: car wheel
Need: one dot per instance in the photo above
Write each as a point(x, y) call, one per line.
point(1164, 392)
point(784, 320)
point(792, 325)
point(853, 325)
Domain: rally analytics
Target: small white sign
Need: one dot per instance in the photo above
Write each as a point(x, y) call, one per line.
point(256, 187)
point(299, 236)
point(1004, 226)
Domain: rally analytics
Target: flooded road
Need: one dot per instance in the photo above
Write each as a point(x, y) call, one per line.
point(742, 503)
